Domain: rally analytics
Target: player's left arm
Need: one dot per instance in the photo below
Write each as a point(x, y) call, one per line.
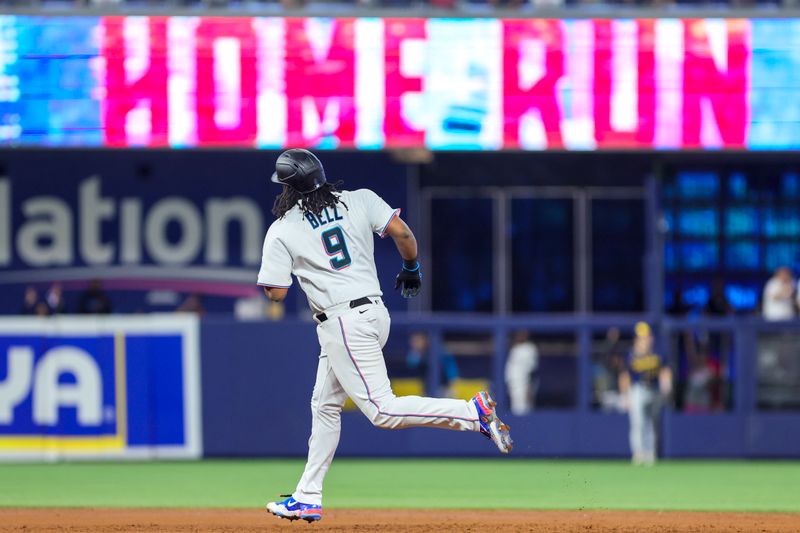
point(403, 238)
point(409, 280)
point(624, 382)
point(624, 385)
point(386, 221)
point(665, 380)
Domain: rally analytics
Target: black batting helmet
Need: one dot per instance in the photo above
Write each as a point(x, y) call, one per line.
point(300, 170)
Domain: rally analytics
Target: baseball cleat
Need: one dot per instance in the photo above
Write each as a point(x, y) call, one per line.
point(291, 509)
point(491, 426)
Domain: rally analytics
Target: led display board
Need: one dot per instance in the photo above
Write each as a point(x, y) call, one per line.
point(372, 83)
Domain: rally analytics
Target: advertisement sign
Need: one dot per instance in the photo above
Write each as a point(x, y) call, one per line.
point(162, 235)
point(100, 387)
point(372, 83)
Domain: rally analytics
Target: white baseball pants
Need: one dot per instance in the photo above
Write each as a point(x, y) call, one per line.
point(519, 392)
point(351, 364)
point(643, 413)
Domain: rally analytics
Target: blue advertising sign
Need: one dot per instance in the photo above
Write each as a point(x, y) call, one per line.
point(100, 387)
point(165, 223)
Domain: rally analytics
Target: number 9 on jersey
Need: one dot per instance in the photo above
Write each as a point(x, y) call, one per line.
point(336, 247)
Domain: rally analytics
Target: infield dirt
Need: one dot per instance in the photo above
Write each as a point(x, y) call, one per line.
point(404, 521)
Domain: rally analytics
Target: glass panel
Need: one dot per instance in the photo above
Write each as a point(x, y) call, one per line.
point(782, 254)
point(696, 295)
point(791, 185)
point(698, 222)
point(742, 255)
point(698, 184)
point(783, 222)
point(669, 257)
point(618, 243)
point(744, 296)
point(737, 185)
point(556, 376)
point(779, 371)
point(669, 221)
point(699, 255)
point(759, 208)
point(465, 364)
point(741, 221)
point(462, 254)
point(542, 277)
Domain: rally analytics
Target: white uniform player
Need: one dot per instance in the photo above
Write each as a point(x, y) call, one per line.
point(324, 238)
point(523, 358)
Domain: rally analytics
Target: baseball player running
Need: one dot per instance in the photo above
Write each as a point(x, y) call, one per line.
point(324, 237)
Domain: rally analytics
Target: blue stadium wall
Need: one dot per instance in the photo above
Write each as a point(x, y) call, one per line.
point(257, 380)
point(257, 377)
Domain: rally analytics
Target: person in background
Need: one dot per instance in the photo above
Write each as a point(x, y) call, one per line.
point(645, 382)
point(30, 301)
point(718, 303)
point(703, 375)
point(712, 350)
point(606, 370)
point(798, 292)
point(55, 300)
point(686, 340)
point(94, 300)
point(778, 303)
point(679, 306)
point(523, 359)
point(192, 304)
point(417, 359)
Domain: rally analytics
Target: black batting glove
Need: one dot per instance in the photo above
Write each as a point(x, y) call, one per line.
point(409, 280)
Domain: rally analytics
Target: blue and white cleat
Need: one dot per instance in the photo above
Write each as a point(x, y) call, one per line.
point(291, 509)
point(491, 425)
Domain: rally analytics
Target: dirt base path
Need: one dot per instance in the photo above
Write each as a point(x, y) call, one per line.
point(405, 521)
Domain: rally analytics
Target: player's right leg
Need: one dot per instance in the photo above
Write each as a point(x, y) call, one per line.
point(326, 425)
point(326, 407)
point(636, 418)
point(354, 342)
point(649, 428)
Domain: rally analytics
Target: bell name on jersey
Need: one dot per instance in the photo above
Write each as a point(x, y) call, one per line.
point(328, 215)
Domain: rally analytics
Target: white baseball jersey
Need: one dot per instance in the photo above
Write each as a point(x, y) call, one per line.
point(331, 254)
point(776, 306)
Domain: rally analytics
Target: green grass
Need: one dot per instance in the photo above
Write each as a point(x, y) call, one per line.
point(353, 483)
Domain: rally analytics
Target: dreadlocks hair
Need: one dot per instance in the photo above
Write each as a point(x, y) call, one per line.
point(313, 202)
